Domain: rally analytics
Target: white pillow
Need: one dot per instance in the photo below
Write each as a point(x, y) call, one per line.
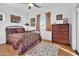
point(36, 31)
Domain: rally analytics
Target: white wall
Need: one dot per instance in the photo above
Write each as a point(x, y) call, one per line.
point(7, 11)
point(74, 27)
point(65, 9)
point(76, 40)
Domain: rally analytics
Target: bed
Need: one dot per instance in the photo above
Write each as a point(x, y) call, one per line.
point(20, 39)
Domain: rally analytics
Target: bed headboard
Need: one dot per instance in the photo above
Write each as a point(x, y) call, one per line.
point(14, 29)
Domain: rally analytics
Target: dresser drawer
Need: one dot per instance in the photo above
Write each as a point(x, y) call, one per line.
point(59, 40)
point(61, 33)
point(60, 29)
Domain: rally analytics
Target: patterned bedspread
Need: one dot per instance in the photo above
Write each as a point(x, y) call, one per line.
point(23, 41)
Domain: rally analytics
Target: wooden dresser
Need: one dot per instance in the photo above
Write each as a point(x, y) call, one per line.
point(60, 33)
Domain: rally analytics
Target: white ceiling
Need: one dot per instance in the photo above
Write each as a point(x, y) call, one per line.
point(23, 7)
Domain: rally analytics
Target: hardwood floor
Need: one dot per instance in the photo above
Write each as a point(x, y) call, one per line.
point(6, 50)
point(64, 50)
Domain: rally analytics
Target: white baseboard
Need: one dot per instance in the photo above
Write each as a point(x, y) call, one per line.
point(3, 42)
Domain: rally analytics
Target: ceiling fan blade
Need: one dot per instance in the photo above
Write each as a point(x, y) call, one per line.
point(36, 5)
point(29, 7)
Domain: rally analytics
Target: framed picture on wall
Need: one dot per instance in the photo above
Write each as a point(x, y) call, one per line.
point(32, 21)
point(15, 19)
point(59, 17)
point(1, 17)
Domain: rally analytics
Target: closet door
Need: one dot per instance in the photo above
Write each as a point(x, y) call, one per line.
point(38, 23)
point(48, 21)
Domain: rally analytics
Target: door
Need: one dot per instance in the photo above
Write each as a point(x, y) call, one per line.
point(43, 26)
point(77, 41)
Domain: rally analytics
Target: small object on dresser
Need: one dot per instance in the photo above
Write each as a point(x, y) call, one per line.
point(65, 20)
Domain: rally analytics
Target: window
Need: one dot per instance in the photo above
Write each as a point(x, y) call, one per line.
point(1, 17)
point(43, 22)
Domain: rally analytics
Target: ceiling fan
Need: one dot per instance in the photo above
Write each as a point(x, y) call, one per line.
point(31, 5)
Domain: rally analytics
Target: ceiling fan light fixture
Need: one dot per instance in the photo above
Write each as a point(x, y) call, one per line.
point(30, 4)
